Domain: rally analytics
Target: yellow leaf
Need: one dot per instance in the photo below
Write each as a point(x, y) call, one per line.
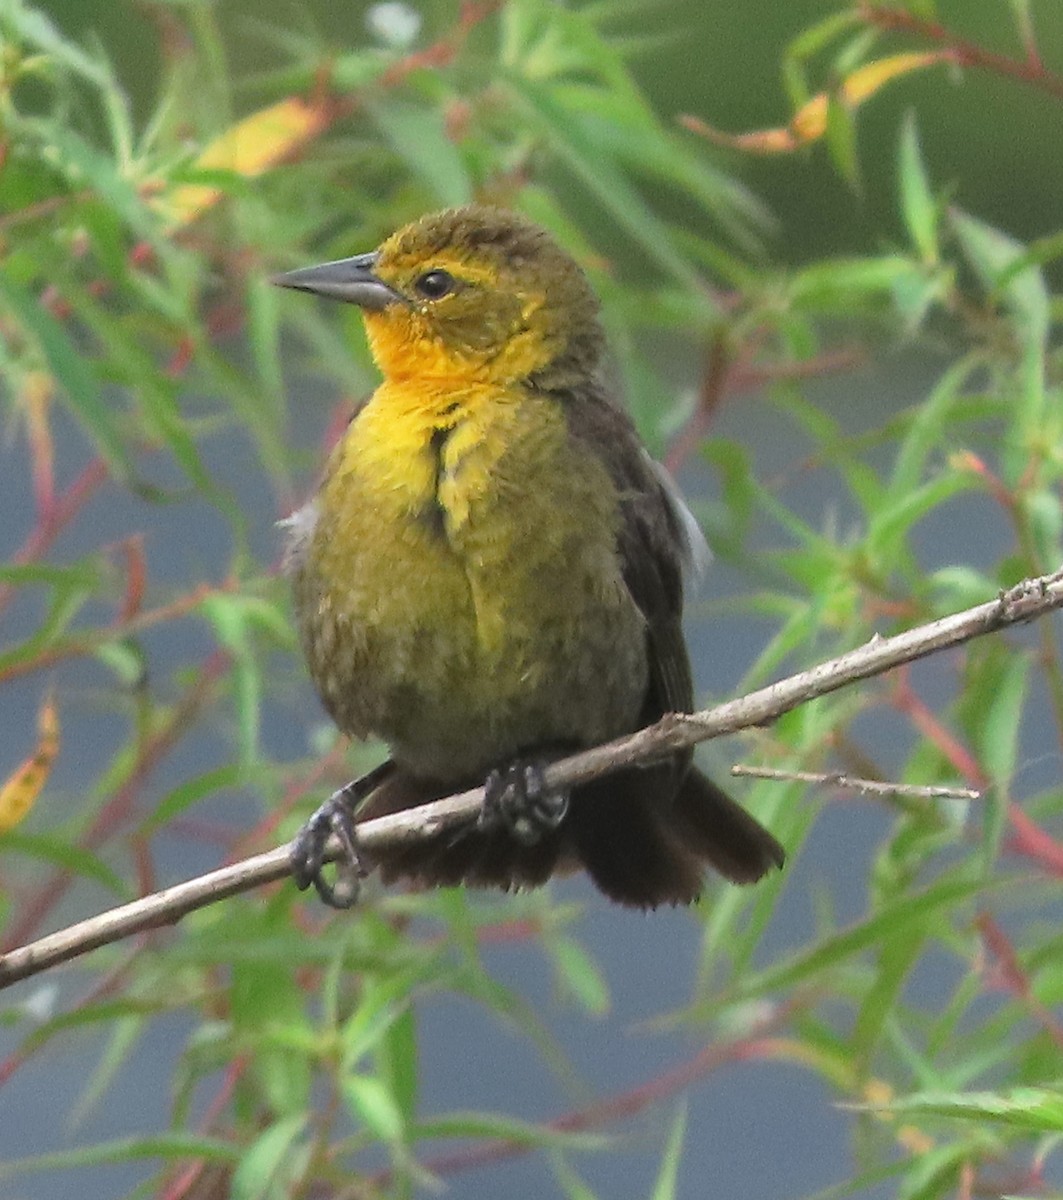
point(250, 147)
point(809, 123)
point(19, 792)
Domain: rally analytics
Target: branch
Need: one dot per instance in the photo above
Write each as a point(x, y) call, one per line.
point(1030, 70)
point(1026, 601)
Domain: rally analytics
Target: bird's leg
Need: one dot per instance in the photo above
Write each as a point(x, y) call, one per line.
point(335, 816)
point(517, 798)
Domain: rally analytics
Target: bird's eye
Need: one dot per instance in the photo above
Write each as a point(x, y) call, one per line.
point(434, 285)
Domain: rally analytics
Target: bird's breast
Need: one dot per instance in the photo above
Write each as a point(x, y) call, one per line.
point(460, 593)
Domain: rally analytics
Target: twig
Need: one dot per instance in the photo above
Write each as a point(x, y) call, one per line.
point(1026, 601)
point(1014, 977)
point(871, 787)
point(1030, 70)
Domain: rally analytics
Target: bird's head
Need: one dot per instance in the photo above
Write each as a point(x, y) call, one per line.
point(472, 293)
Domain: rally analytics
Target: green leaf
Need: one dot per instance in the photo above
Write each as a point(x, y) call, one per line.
point(74, 377)
point(569, 142)
point(893, 522)
point(502, 1128)
point(667, 1183)
point(34, 27)
point(272, 1160)
point(263, 329)
point(925, 433)
point(890, 921)
point(841, 140)
point(383, 1002)
point(896, 961)
point(156, 395)
point(1003, 720)
point(578, 974)
point(842, 281)
point(85, 167)
point(191, 792)
point(370, 1102)
point(396, 1057)
point(61, 853)
point(167, 1146)
point(818, 37)
point(1046, 526)
point(1033, 1109)
point(917, 201)
point(993, 255)
point(122, 1038)
point(420, 137)
point(228, 615)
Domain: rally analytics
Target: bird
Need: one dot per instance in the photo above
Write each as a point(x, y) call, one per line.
point(490, 576)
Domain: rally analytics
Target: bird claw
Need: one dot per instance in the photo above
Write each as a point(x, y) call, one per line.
point(517, 798)
point(335, 816)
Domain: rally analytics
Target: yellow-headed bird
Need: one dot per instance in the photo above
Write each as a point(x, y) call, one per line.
point(490, 576)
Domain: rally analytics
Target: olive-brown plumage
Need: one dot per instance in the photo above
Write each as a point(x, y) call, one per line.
point(491, 570)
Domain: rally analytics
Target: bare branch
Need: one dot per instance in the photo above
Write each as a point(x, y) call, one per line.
point(850, 783)
point(1026, 601)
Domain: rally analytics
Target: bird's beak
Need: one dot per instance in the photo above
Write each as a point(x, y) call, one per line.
point(348, 279)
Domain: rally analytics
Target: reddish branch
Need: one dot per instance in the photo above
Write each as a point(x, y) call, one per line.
point(1013, 976)
point(117, 811)
point(1029, 70)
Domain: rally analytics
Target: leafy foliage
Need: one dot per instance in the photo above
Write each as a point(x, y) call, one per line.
point(143, 359)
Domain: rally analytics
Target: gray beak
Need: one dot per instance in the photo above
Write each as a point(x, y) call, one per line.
point(348, 279)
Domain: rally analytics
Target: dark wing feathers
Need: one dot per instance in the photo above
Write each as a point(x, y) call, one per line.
point(650, 542)
point(639, 848)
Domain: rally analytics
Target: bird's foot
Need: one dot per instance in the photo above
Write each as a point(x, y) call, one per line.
point(516, 797)
point(335, 816)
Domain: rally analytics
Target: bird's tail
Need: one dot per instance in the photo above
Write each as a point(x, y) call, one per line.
point(643, 850)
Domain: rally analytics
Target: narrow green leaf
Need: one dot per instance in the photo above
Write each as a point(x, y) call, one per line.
point(1033, 1109)
point(122, 1038)
point(156, 396)
point(263, 328)
point(191, 792)
point(270, 1156)
point(993, 254)
point(420, 137)
point(579, 974)
point(890, 921)
point(844, 281)
point(371, 1103)
point(228, 617)
point(72, 374)
point(667, 1183)
point(396, 1056)
point(917, 201)
point(34, 27)
point(503, 1128)
point(841, 141)
point(87, 167)
point(924, 436)
point(896, 960)
point(61, 853)
point(818, 37)
point(569, 142)
point(893, 522)
point(1004, 719)
point(166, 1146)
point(571, 1185)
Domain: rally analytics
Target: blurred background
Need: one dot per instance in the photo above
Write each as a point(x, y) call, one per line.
point(694, 1055)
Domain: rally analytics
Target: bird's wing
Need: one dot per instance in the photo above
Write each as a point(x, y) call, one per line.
point(653, 541)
